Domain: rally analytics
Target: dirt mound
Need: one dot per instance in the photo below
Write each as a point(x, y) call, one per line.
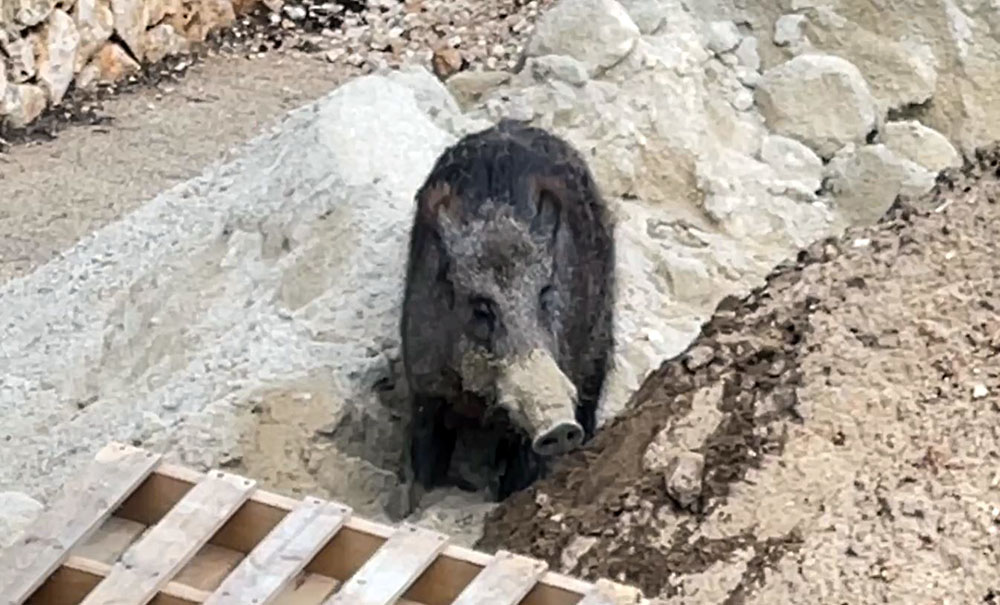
point(847, 415)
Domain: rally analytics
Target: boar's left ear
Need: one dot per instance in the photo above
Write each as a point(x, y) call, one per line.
point(548, 208)
point(437, 200)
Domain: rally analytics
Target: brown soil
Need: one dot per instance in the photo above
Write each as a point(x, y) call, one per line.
point(848, 417)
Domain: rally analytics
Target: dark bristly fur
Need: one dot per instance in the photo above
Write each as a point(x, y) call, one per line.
point(512, 249)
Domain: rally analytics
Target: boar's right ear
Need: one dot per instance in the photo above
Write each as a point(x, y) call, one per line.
point(436, 201)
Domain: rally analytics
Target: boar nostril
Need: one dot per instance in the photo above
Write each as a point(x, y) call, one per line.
point(548, 442)
point(572, 436)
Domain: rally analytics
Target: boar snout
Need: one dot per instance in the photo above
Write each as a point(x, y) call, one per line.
point(560, 439)
point(542, 401)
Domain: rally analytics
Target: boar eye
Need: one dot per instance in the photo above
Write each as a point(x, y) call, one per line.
point(483, 318)
point(545, 298)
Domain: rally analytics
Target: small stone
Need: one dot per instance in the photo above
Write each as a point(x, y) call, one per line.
point(295, 13)
point(792, 161)
point(22, 104)
point(574, 551)
point(698, 357)
point(3, 84)
point(979, 391)
point(17, 512)
point(95, 24)
point(864, 181)
point(789, 30)
point(21, 53)
point(446, 62)
point(29, 13)
point(922, 145)
point(334, 55)
point(58, 45)
point(742, 100)
point(559, 67)
point(649, 15)
point(723, 36)
point(211, 15)
point(162, 41)
point(748, 54)
point(820, 100)
point(108, 66)
point(130, 18)
point(684, 478)
point(161, 9)
point(469, 86)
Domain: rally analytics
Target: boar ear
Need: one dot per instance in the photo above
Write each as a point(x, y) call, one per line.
point(436, 201)
point(548, 207)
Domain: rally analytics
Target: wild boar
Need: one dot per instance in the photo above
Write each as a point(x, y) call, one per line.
point(508, 310)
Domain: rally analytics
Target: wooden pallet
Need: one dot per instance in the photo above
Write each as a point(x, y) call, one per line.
point(133, 530)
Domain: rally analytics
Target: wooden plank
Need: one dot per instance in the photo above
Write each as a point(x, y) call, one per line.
point(207, 569)
point(382, 580)
point(78, 576)
point(152, 561)
point(85, 503)
point(505, 581)
point(354, 544)
point(279, 558)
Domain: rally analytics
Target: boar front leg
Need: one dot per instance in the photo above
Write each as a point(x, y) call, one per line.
point(432, 441)
point(518, 465)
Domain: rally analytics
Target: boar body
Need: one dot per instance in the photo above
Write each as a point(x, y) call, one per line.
point(507, 315)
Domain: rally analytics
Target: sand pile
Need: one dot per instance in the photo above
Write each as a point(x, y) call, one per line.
point(847, 418)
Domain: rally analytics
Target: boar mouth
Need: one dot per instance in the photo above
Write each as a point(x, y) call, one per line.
point(541, 400)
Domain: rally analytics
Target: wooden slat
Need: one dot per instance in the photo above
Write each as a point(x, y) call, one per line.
point(275, 562)
point(343, 556)
point(393, 568)
point(505, 581)
point(116, 472)
point(152, 561)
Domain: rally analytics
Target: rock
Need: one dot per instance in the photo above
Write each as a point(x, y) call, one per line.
point(598, 33)
point(866, 181)
point(17, 512)
point(792, 161)
point(648, 15)
point(980, 391)
point(159, 10)
point(558, 67)
point(934, 61)
point(22, 104)
point(447, 62)
point(95, 24)
point(30, 13)
point(684, 478)
point(577, 548)
point(295, 13)
point(59, 42)
point(108, 66)
point(789, 30)
point(3, 84)
point(162, 41)
point(468, 86)
point(130, 20)
point(21, 53)
point(207, 16)
point(820, 100)
point(723, 36)
point(747, 53)
point(922, 145)
point(900, 73)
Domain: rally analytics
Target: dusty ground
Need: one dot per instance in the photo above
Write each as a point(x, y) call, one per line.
point(848, 417)
point(53, 193)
